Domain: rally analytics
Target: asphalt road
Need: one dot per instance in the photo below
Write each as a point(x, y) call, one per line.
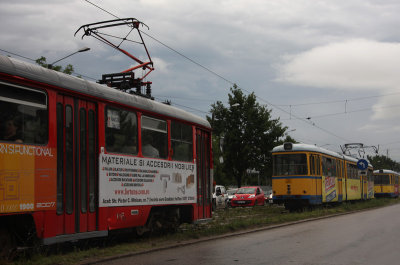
point(369, 237)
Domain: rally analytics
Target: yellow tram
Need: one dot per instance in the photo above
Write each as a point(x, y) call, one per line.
point(386, 183)
point(309, 175)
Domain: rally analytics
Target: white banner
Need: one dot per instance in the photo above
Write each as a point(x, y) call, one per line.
point(131, 181)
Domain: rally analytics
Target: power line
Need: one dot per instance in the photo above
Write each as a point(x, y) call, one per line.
point(102, 9)
point(169, 47)
point(189, 59)
point(191, 108)
point(27, 58)
point(185, 98)
point(18, 55)
point(397, 142)
point(227, 80)
point(347, 112)
point(338, 101)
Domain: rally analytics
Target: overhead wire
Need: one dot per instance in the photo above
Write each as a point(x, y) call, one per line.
point(186, 98)
point(338, 101)
point(191, 108)
point(232, 83)
point(348, 112)
point(30, 59)
point(18, 55)
point(227, 80)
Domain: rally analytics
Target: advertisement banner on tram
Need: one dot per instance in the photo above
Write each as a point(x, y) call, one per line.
point(131, 181)
point(26, 178)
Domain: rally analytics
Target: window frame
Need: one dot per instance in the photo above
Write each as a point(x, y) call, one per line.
point(165, 131)
point(303, 156)
point(181, 140)
point(106, 128)
point(40, 92)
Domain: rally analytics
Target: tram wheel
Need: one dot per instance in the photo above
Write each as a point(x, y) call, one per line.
point(142, 230)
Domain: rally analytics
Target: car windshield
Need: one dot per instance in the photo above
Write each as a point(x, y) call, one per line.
point(231, 192)
point(246, 191)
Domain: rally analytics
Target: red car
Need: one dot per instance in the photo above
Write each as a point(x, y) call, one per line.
point(248, 196)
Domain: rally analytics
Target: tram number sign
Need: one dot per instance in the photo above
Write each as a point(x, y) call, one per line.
point(362, 164)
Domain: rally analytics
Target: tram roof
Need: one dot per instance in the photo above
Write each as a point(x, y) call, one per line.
point(385, 171)
point(38, 73)
point(313, 148)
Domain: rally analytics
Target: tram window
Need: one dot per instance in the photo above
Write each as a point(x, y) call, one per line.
point(343, 169)
point(154, 137)
point(382, 179)
point(377, 179)
point(349, 171)
point(312, 165)
point(328, 167)
point(338, 169)
point(318, 163)
point(92, 163)
point(181, 141)
point(334, 169)
point(83, 158)
point(23, 115)
point(69, 160)
point(355, 172)
point(352, 171)
point(60, 158)
point(290, 164)
point(121, 131)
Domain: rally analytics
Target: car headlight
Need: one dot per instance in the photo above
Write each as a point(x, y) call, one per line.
point(252, 196)
point(234, 197)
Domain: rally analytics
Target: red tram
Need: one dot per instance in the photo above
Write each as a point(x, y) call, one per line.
point(79, 159)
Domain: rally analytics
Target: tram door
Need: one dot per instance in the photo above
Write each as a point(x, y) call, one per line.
point(203, 174)
point(76, 165)
point(340, 180)
point(365, 187)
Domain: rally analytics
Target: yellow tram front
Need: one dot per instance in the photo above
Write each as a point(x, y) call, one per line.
point(305, 175)
point(386, 183)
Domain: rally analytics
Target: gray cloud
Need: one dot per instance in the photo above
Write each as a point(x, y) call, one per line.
point(318, 50)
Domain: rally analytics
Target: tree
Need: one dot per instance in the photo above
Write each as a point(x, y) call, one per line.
point(383, 162)
point(69, 69)
point(246, 133)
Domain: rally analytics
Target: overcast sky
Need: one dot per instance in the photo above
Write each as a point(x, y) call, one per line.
point(327, 69)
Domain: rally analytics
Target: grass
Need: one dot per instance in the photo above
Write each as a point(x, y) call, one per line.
point(223, 222)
